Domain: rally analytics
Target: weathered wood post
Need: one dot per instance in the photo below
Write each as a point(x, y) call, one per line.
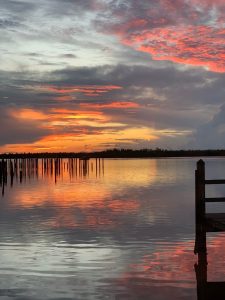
point(200, 226)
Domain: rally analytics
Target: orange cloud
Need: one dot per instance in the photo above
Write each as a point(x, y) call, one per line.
point(82, 130)
point(88, 90)
point(83, 136)
point(68, 117)
point(111, 105)
point(60, 116)
point(28, 113)
point(65, 98)
point(69, 112)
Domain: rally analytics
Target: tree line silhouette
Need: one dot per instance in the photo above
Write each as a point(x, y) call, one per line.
point(118, 153)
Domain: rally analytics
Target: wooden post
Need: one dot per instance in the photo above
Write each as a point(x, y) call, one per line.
point(200, 226)
point(201, 276)
point(200, 190)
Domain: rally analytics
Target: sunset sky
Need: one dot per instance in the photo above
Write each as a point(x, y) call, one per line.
point(83, 75)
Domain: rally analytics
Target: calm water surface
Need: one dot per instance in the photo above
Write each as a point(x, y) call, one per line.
point(123, 230)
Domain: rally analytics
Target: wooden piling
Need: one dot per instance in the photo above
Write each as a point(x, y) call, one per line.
point(200, 226)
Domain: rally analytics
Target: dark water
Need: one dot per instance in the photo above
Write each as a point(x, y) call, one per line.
point(123, 230)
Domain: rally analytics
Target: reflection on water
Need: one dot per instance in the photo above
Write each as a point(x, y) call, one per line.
point(94, 229)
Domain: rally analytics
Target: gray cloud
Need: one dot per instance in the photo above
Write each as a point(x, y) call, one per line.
point(17, 7)
point(15, 131)
point(153, 14)
point(211, 135)
point(69, 55)
point(57, 6)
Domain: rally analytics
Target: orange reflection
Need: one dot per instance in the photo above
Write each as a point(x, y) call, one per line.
point(61, 196)
point(67, 192)
point(95, 210)
point(118, 205)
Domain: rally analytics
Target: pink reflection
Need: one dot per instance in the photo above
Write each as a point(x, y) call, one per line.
point(170, 264)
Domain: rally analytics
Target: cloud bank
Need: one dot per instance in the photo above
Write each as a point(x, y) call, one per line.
point(88, 75)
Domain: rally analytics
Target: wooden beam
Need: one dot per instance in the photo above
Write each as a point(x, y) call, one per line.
point(219, 199)
point(215, 222)
point(215, 181)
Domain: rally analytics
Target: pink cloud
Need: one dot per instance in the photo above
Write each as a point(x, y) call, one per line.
point(187, 32)
point(193, 45)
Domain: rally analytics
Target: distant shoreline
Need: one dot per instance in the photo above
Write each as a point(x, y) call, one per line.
point(120, 153)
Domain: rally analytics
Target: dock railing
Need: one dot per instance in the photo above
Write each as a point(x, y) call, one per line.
point(206, 222)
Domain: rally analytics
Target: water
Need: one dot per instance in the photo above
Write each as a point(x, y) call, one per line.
point(119, 230)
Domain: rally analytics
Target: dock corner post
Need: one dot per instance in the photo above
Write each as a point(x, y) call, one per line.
point(200, 238)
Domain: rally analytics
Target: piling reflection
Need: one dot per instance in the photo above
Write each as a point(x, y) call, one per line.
point(21, 170)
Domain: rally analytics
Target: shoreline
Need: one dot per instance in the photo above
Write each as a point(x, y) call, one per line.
point(124, 153)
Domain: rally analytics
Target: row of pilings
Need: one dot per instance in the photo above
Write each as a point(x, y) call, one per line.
point(23, 169)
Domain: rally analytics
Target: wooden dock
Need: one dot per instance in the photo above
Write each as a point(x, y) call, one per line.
point(206, 222)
